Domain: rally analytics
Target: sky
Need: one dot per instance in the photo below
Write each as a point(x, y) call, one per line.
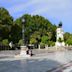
point(53, 10)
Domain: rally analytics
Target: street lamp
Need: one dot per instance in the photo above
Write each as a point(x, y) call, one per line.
point(23, 27)
point(23, 52)
point(24, 49)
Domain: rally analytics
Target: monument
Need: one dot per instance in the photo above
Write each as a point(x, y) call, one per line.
point(24, 49)
point(59, 36)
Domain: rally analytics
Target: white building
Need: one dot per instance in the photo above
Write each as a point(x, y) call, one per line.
point(59, 35)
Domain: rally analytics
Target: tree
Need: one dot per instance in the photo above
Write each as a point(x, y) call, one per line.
point(15, 33)
point(33, 41)
point(69, 40)
point(5, 23)
point(5, 32)
point(36, 27)
point(44, 39)
point(5, 42)
point(5, 18)
point(66, 36)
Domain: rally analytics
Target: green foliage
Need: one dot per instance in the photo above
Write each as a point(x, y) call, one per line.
point(20, 42)
point(44, 39)
point(33, 41)
point(69, 40)
point(66, 36)
point(5, 24)
point(15, 33)
point(5, 32)
point(5, 42)
point(38, 30)
point(5, 18)
point(51, 43)
point(42, 45)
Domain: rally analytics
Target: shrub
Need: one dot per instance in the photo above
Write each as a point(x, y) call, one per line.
point(5, 42)
point(51, 43)
point(20, 42)
point(33, 41)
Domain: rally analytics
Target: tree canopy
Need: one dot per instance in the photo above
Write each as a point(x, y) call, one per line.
point(5, 18)
point(38, 30)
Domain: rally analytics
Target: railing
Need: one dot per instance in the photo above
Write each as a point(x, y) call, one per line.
point(4, 47)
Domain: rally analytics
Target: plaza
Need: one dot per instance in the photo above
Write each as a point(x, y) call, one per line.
point(35, 36)
point(42, 61)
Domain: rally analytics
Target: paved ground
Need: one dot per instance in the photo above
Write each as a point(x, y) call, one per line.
point(42, 61)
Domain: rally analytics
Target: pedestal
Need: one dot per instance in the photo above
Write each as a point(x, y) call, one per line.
point(60, 45)
point(23, 53)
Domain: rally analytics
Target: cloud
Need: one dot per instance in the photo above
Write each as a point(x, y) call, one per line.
point(39, 6)
point(50, 5)
point(55, 10)
point(21, 6)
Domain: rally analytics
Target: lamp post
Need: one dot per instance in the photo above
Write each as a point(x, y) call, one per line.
point(23, 47)
point(23, 27)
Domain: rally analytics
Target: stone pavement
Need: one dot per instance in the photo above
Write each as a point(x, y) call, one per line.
point(42, 61)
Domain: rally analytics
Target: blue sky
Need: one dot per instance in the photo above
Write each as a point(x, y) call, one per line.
point(54, 10)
